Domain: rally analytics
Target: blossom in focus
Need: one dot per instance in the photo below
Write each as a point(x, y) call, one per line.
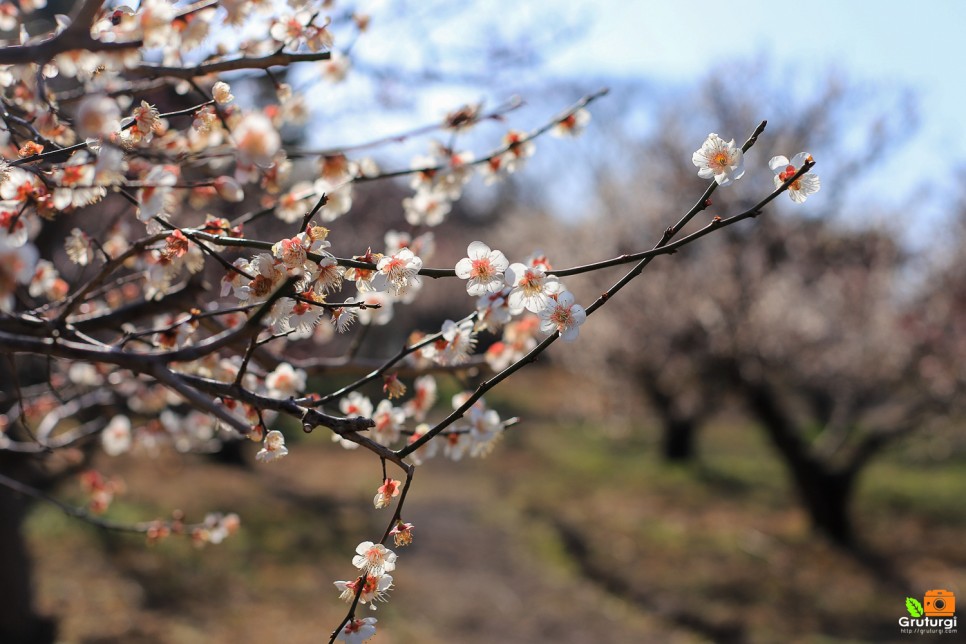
point(375, 588)
point(483, 268)
point(802, 187)
point(342, 317)
point(291, 252)
point(532, 288)
point(386, 493)
point(398, 272)
point(564, 316)
point(144, 122)
point(273, 448)
point(719, 159)
point(402, 534)
point(374, 558)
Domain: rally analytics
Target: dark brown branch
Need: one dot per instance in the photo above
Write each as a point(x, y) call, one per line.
point(278, 59)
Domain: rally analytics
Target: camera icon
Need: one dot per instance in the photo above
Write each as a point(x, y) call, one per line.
point(939, 603)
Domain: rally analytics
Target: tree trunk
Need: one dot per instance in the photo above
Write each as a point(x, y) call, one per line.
point(677, 441)
point(827, 496)
point(825, 492)
point(18, 621)
point(678, 429)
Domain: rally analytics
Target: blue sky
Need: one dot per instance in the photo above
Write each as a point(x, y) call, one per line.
point(886, 44)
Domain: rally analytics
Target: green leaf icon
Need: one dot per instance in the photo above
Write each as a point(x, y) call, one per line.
point(914, 607)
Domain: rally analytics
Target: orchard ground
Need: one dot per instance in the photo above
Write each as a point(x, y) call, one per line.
point(568, 532)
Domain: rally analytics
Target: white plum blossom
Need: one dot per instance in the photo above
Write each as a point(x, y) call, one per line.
point(358, 630)
point(425, 451)
point(389, 490)
point(455, 344)
point(97, 116)
point(295, 317)
point(428, 207)
point(256, 140)
point(532, 288)
point(572, 124)
point(335, 69)
point(483, 268)
point(719, 159)
point(388, 423)
point(375, 588)
point(292, 253)
point(802, 187)
point(375, 316)
point(338, 197)
point(485, 428)
point(519, 148)
point(564, 316)
point(155, 198)
point(16, 267)
point(268, 273)
point(116, 437)
point(492, 310)
point(424, 397)
point(285, 381)
point(398, 272)
point(79, 248)
point(221, 91)
point(374, 558)
point(273, 448)
point(46, 282)
point(342, 317)
point(355, 404)
point(156, 19)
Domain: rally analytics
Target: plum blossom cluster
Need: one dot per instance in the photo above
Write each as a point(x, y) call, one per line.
point(395, 425)
point(128, 330)
point(508, 290)
point(724, 162)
